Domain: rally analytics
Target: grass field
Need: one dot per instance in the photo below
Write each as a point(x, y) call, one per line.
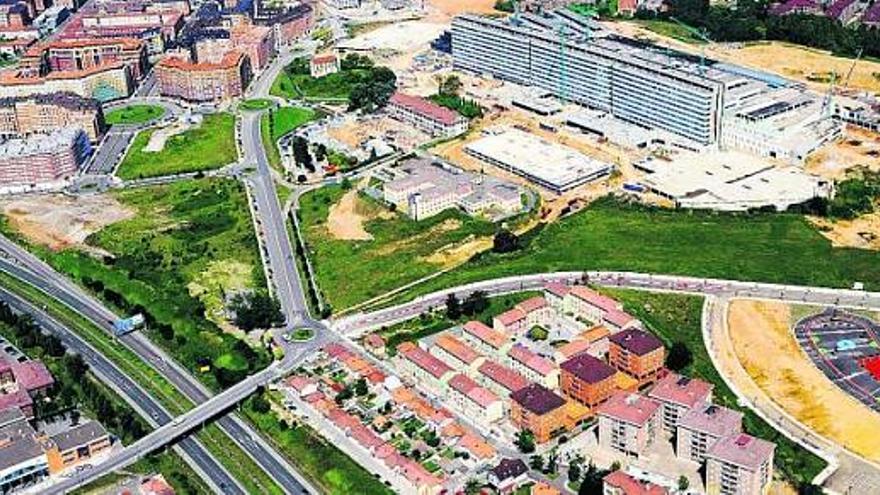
point(275, 124)
point(134, 114)
point(608, 235)
point(321, 462)
point(353, 271)
point(256, 104)
point(332, 87)
point(191, 243)
point(669, 29)
point(674, 317)
point(209, 146)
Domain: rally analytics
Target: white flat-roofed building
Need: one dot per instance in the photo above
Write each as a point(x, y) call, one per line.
point(552, 166)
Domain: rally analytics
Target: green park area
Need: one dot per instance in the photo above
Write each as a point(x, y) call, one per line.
point(612, 235)
point(391, 251)
point(676, 320)
point(190, 245)
point(296, 81)
point(330, 469)
point(134, 114)
point(256, 104)
point(208, 146)
point(277, 123)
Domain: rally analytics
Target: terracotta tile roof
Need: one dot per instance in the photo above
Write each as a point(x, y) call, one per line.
point(530, 360)
point(557, 289)
point(511, 316)
point(384, 451)
point(592, 297)
point(573, 348)
point(230, 60)
point(466, 386)
point(537, 399)
point(365, 437)
point(476, 447)
point(588, 368)
point(299, 382)
point(618, 318)
point(374, 340)
point(418, 475)
point(629, 407)
point(423, 360)
point(314, 397)
point(636, 341)
point(337, 351)
point(532, 304)
point(631, 486)
point(457, 349)
point(324, 58)
point(425, 108)
point(681, 390)
point(595, 333)
point(453, 430)
point(32, 375)
point(743, 450)
point(541, 488)
point(504, 376)
point(485, 334)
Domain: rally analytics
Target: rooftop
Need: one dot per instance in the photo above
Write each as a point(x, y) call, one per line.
point(485, 334)
point(537, 399)
point(715, 420)
point(532, 304)
point(504, 376)
point(457, 349)
point(530, 360)
point(466, 386)
point(511, 316)
point(629, 407)
point(425, 108)
point(743, 450)
point(423, 360)
point(509, 469)
point(636, 341)
point(588, 368)
point(557, 289)
point(18, 444)
point(592, 297)
point(681, 390)
point(632, 486)
point(79, 436)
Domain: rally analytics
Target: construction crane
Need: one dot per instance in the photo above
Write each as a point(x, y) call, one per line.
point(851, 68)
point(699, 33)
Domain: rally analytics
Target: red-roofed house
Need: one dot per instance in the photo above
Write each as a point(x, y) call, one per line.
point(456, 354)
point(511, 322)
point(375, 344)
point(628, 423)
point(589, 304)
point(740, 463)
point(323, 64)
point(532, 366)
point(365, 437)
point(619, 320)
point(337, 351)
point(500, 379)
point(33, 377)
point(479, 450)
point(304, 386)
point(20, 399)
point(620, 483)
point(537, 310)
point(6, 376)
point(571, 349)
point(426, 115)
point(422, 367)
point(679, 395)
point(424, 482)
point(484, 339)
point(555, 294)
point(475, 401)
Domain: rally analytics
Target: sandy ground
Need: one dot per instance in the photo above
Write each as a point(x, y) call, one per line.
point(60, 221)
point(456, 254)
point(353, 133)
point(791, 61)
point(443, 10)
point(860, 147)
point(344, 221)
point(863, 232)
point(765, 346)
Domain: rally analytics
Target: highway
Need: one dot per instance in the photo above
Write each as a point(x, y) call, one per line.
point(190, 449)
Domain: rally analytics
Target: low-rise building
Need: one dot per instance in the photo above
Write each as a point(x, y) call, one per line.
point(500, 379)
point(474, 401)
point(508, 474)
point(324, 64)
point(587, 379)
point(485, 339)
point(23, 459)
point(77, 445)
point(537, 310)
point(628, 423)
point(511, 322)
point(679, 395)
point(701, 428)
point(637, 353)
point(40, 159)
point(456, 354)
point(534, 367)
point(423, 368)
point(622, 483)
point(426, 115)
point(739, 465)
point(539, 410)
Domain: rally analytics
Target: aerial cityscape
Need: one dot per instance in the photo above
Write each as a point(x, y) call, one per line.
point(513, 247)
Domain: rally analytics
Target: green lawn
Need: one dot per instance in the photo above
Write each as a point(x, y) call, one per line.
point(134, 114)
point(670, 29)
point(256, 104)
point(209, 146)
point(332, 87)
point(189, 245)
point(353, 271)
point(675, 317)
point(321, 462)
point(275, 124)
point(608, 235)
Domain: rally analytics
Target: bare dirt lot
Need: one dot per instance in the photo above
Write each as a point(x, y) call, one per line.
point(860, 147)
point(862, 232)
point(60, 221)
point(344, 221)
point(765, 346)
point(446, 9)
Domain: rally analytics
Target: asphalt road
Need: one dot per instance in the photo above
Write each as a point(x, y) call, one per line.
point(109, 152)
point(153, 412)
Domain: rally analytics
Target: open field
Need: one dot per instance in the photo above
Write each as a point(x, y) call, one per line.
point(332, 87)
point(677, 318)
point(277, 123)
point(208, 146)
point(256, 104)
point(765, 346)
point(397, 253)
point(134, 114)
point(190, 244)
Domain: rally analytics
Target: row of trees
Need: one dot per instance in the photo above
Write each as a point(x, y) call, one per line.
point(475, 303)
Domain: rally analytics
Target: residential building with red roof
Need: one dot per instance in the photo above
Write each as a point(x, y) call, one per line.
point(424, 482)
point(499, 378)
point(621, 483)
point(637, 353)
point(534, 367)
point(426, 115)
point(480, 451)
point(365, 437)
point(510, 322)
point(629, 423)
point(211, 81)
point(421, 367)
point(573, 348)
point(456, 354)
point(475, 401)
point(739, 464)
point(324, 64)
point(589, 304)
point(555, 294)
point(375, 344)
point(587, 379)
point(679, 395)
point(619, 320)
point(303, 385)
point(541, 411)
point(537, 310)
point(485, 339)
point(702, 427)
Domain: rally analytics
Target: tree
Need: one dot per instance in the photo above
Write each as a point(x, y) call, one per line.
point(256, 310)
point(592, 482)
point(679, 356)
point(450, 85)
point(536, 462)
point(575, 469)
point(476, 302)
point(453, 307)
point(683, 483)
point(505, 241)
point(343, 395)
point(525, 441)
point(301, 154)
point(552, 463)
point(374, 91)
point(259, 403)
point(472, 487)
point(360, 387)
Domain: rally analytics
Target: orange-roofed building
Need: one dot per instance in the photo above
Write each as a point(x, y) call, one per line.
point(453, 430)
point(541, 488)
point(375, 344)
point(537, 310)
point(209, 81)
point(571, 349)
point(476, 402)
point(323, 64)
point(500, 379)
point(424, 482)
point(511, 322)
point(620, 483)
point(456, 354)
point(485, 339)
point(303, 385)
point(478, 449)
point(422, 368)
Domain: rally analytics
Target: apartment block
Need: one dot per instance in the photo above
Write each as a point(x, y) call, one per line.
point(679, 395)
point(456, 354)
point(422, 368)
point(474, 401)
point(77, 445)
point(539, 410)
point(637, 353)
point(103, 83)
point(588, 380)
point(511, 322)
point(22, 457)
point(700, 429)
point(629, 423)
point(75, 55)
point(426, 115)
point(485, 339)
point(739, 465)
point(289, 21)
point(537, 310)
point(257, 42)
point(39, 158)
point(212, 81)
point(534, 367)
point(24, 115)
point(500, 379)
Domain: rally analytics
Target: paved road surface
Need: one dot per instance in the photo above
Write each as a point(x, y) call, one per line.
point(109, 152)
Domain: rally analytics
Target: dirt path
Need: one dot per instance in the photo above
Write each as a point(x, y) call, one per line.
point(344, 221)
point(761, 340)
